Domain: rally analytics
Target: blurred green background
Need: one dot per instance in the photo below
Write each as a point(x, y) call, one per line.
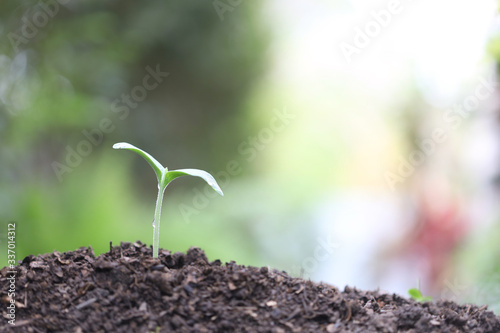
point(300, 136)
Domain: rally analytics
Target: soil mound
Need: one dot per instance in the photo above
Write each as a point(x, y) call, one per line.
point(126, 290)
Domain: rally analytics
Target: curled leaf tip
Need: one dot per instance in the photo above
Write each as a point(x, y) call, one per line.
point(216, 188)
point(120, 145)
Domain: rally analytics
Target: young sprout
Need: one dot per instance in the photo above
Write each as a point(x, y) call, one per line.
point(164, 178)
point(416, 294)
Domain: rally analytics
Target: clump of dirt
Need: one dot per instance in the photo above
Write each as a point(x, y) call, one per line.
point(126, 290)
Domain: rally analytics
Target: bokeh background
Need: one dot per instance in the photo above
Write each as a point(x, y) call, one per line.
point(357, 142)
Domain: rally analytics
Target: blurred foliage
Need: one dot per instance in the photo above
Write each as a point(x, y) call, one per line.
point(73, 71)
point(477, 260)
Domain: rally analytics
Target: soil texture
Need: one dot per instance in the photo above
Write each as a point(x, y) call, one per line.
point(126, 290)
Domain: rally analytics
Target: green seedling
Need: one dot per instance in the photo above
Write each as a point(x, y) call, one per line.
point(416, 294)
point(164, 178)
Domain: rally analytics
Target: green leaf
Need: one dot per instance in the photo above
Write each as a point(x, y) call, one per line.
point(415, 293)
point(171, 175)
point(157, 167)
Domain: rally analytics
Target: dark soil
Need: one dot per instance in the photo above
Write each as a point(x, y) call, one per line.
point(126, 290)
